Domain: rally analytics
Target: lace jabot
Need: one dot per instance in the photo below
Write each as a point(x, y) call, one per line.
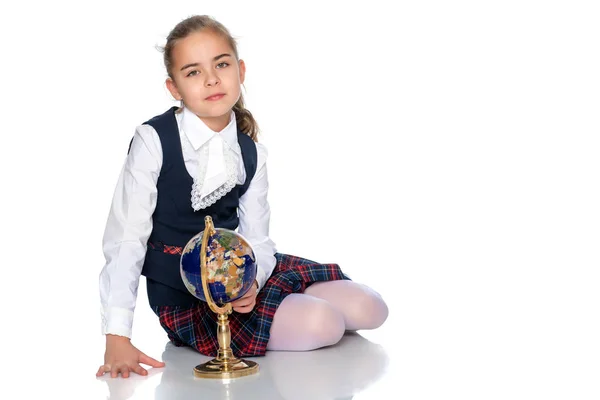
point(215, 165)
point(217, 173)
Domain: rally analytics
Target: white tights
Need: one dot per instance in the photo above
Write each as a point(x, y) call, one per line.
point(320, 316)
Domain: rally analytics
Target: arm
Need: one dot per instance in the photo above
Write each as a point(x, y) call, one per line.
point(255, 214)
point(127, 230)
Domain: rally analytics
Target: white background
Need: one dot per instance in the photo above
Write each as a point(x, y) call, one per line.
point(444, 153)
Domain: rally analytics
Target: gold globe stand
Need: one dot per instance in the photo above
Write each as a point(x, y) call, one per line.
point(225, 365)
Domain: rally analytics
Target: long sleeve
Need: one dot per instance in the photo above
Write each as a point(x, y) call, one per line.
point(127, 230)
point(254, 214)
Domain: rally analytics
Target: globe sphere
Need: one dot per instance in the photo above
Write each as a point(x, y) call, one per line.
point(230, 263)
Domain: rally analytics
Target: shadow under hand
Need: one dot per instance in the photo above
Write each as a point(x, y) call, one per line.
point(338, 371)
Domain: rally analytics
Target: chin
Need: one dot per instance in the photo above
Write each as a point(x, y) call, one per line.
point(213, 112)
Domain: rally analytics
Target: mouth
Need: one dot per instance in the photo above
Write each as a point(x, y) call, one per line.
point(215, 96)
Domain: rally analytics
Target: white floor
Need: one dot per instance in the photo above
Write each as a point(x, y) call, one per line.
point(351, 369)
point(457, 348)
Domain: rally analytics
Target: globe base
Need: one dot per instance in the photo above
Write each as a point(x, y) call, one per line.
point(219, 369)
point(225, 365)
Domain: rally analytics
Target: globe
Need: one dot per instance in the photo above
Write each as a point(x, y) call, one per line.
point(230, 263)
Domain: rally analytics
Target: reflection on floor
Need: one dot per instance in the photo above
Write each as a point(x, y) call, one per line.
point(335, 372)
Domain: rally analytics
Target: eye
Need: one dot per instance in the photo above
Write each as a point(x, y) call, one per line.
point(224, 64)
point(193, 72)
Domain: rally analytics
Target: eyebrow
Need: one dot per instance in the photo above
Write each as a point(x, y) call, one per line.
point(214, 59)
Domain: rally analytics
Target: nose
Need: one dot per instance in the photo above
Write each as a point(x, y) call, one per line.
point(211, 79)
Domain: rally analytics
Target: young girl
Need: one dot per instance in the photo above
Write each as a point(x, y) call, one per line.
point(203, 159)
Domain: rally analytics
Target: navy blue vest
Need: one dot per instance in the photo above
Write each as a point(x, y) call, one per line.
point(174, 220)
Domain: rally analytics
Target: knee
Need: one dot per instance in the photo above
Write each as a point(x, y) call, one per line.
point(325, 324)
point(378, 311)
point(369, 310)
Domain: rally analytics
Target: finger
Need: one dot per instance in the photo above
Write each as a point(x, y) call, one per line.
point(118, 368)
point(103, 369)
point(236, 303)
point(241, 305)
point(244, 301)
point(240, 301)
point(125, 371)
point(151, 361)
point(244, 309)
point(138, 369)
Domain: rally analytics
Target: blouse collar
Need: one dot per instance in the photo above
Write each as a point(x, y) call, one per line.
point(198, 133)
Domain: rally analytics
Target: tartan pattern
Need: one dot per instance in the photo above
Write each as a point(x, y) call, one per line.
point(196, 326)
point(159, 246)
point(173, 250)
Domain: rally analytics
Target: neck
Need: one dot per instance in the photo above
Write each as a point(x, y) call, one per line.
point(216, 124)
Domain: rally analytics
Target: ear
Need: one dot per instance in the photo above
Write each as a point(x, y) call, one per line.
point(242, 65)
point(173, 89)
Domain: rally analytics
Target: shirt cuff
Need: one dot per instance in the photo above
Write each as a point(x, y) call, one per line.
point(261, 277)
point(117, 321)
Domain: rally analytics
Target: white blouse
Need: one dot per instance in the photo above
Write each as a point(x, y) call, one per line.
point(215, 160)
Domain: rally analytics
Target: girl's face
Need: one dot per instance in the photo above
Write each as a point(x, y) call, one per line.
point(207, 77)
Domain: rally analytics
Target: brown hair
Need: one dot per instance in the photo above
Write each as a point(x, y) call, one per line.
point(245, 121)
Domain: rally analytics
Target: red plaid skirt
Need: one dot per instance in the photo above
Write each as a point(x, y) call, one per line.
point(196, 326)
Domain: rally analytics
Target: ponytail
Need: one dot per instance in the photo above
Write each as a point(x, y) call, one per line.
point(245, 121)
